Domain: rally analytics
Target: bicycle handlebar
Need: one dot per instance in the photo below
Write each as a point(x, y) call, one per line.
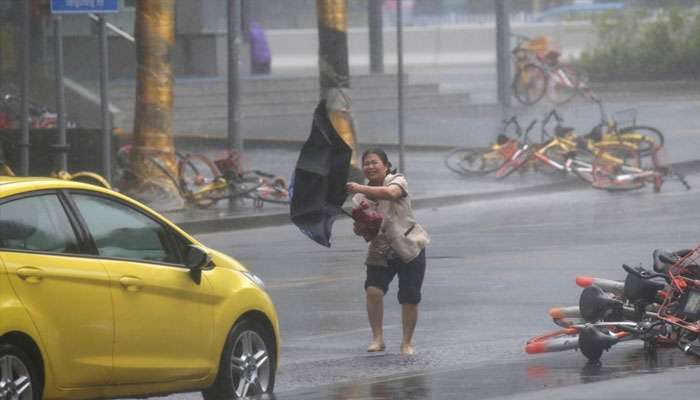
point(528, 129)
point(546, 120)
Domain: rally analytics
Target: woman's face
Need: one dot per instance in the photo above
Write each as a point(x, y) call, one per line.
point(374, 169)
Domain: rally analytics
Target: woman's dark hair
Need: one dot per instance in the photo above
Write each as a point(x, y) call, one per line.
point(382, 156)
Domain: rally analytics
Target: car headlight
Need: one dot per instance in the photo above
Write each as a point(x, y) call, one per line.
point(254, 278)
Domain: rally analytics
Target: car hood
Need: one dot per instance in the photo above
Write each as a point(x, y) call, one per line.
point(221, 260)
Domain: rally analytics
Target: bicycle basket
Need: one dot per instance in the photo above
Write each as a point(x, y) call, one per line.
point(681, 307)
point(625, 118)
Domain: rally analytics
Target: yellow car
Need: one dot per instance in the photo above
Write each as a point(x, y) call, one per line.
point(102, 297)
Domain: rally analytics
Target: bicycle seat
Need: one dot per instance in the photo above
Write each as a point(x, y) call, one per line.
point(595, 304)
point(639, 286)
point(563, 130)
point(502, 139)
point(596, 134)
point(592, 342)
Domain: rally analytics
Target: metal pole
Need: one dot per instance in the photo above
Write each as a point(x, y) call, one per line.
point(399, 53)
point(104, 100)
point(61, 145)
point(24, 70)
point(503, 52)
point(234, 103)
point(376, 39)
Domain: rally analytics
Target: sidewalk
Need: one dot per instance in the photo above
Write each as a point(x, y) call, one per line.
point(669, 106)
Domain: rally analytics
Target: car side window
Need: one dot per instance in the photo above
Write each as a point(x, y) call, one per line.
point(120, 231)
point(37, 223)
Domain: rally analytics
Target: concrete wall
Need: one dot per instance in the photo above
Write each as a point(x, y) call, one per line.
point(457, 44)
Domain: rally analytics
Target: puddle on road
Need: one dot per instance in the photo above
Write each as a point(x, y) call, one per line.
point(494, 380)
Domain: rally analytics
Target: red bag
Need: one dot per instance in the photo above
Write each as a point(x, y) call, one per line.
point(369, 218)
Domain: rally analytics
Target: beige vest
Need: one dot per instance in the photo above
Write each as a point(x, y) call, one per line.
point(399, 230)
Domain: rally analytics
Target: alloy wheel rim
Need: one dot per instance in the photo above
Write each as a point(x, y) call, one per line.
point(250, 364)
point(15, 380)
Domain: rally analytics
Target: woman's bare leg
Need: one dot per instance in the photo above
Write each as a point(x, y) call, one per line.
point(375, 314)
point(409, 316)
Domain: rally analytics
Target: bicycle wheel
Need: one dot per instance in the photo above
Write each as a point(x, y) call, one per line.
point(617, 167)
point(530, 84)
point(474, 161)
point(242, 186)
point(563, 84)
point(519, 159)
point(196, 170)
point(644, 137)
point(583, 170)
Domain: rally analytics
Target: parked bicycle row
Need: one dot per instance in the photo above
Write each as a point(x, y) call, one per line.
point(659, 306)
point(616, 154)
point(200, 181)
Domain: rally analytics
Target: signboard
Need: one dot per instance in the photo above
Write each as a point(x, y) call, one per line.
point(84, 6)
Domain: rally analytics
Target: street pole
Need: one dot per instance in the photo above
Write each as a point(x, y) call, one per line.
point(24, 71)
point(503, 52)
point(104, 99)
point(235, 141)
point(376, 37)
point(399, 54)
point(335, 72)
point(61, 147)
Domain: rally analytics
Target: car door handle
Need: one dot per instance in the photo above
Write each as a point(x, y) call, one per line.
point(30, 274)
point(130, 283)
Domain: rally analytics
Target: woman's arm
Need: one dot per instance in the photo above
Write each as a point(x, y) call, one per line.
point(391, 192)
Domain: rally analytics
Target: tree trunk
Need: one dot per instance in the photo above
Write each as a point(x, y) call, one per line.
point(153, 160)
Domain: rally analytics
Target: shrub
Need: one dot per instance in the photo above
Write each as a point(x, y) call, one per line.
point(642, 45)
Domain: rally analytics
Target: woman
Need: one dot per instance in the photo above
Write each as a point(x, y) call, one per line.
point(396, 248)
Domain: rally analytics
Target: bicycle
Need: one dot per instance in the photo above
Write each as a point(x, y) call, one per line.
point(609, 176)
point(611, 130)
point(484, 160)
point(564, 152)
point(201, 182)
point(539, 72)
point(39, 116)
point(658, 312)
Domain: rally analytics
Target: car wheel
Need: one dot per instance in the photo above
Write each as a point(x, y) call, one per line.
point(18, 376)
point(247, 364)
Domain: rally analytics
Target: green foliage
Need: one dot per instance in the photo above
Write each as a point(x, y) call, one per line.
point(639, 46)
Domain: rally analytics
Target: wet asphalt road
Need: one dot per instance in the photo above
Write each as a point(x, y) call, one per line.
point(494, 269)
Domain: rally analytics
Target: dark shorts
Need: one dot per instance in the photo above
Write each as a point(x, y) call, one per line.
point(410, 277)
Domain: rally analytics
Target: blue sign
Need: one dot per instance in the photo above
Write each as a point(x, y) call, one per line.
point(84, 6)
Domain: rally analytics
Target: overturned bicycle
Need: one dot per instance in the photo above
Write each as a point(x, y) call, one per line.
point(658, 306)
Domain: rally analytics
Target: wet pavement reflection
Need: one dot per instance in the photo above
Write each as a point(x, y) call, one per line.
point(495, 380)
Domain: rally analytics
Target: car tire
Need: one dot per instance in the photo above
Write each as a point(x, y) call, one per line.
point(247, 366)
point(19, 378)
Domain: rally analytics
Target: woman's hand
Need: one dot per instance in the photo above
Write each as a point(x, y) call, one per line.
point(352, 187)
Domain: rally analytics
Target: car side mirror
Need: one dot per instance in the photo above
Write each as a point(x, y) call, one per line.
point(196, 259)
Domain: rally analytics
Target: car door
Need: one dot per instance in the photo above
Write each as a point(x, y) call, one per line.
point(163, 319)
point(66, 293)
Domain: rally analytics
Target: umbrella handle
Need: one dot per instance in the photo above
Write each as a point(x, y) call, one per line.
point(347, 213)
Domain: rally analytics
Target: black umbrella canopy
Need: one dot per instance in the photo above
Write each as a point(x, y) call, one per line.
point(318, 187)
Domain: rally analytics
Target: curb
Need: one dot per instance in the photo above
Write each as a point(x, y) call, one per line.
point(241, 222)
